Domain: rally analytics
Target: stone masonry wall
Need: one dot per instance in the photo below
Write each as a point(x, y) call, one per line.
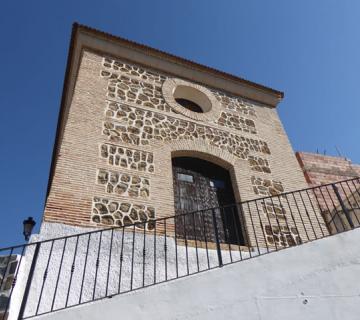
point(119, 135)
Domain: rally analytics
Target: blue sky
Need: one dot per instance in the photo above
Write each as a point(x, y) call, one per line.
point(308, 49)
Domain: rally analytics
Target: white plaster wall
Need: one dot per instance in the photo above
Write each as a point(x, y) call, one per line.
point(318, 280)
point(61, 289)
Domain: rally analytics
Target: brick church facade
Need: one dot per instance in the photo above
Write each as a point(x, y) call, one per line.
point(129, 111)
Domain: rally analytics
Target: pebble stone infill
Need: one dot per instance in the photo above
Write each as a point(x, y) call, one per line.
point(124, 184)
point(138, 127)
point(133, 70)
point(259, 164)
point(280, 235)
point(148, 95)
point(122, 213)
point(273, 210)
point(283, 236)
point(235, 104)
point(142, 92)
point(229, 102)
point(231, 120)
point(128, 158)
point(266, 187)
point(131, 90)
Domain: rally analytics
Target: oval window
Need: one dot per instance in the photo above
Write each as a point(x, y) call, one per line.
point(192, 99)
point(188, 104)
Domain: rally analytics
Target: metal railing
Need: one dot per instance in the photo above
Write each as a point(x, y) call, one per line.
point(42, 277)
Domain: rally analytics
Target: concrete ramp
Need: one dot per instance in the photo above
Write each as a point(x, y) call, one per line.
point(318, 280)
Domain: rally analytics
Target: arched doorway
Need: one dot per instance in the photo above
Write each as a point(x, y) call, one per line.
point(200, 185)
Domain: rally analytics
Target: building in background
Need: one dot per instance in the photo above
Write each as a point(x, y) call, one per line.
point(8, 268)
point(326, 170)
point(322, 169)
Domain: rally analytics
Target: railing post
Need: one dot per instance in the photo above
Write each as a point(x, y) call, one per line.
point(218, 248)
point(343, 207)
point(29, 281)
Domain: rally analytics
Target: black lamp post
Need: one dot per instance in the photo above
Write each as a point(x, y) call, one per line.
point(29, 224)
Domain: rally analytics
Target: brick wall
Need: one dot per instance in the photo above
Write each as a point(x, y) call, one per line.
point(119, 134)
point(321, 169)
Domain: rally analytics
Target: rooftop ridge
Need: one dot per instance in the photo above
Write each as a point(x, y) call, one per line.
point(157, 52)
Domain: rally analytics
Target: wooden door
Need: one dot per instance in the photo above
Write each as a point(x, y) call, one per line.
point(200, 186)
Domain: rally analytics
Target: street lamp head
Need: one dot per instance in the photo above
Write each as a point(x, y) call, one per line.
point(29, 224)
